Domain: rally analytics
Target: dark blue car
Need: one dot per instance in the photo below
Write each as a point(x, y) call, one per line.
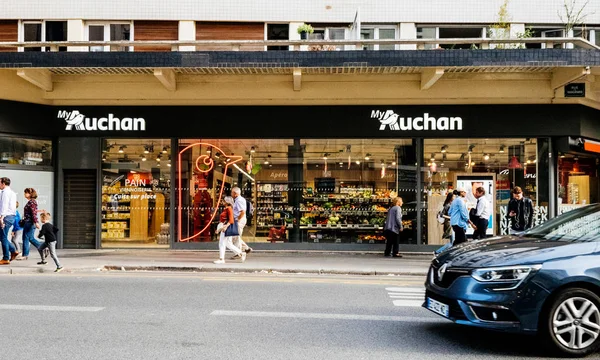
point(545, 282)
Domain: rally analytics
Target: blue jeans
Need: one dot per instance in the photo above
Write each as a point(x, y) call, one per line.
point(7, 247)
point(29, 237)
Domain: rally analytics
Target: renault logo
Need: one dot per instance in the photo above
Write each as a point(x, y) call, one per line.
point(442, 271)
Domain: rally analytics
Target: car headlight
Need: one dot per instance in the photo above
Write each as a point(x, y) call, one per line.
point(511, 275)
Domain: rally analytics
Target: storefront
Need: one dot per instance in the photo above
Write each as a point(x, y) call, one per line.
point(315, 177)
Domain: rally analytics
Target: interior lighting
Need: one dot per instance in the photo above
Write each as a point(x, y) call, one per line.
point(122, 148)
point(501, 151)
point(368, 157)
point(432, 156)
point(252, 150)
point(165, 149)
point(444, 148)
point(486, 157)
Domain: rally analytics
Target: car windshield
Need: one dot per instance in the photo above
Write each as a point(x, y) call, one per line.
point(577, 225)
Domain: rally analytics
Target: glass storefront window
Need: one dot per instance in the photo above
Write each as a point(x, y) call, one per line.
point(136, 188)
point(21, 153)
point(498, 165)
point(578, 181)
point(297, 190)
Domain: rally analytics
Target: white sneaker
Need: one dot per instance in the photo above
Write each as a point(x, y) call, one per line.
point(243, 256)
point(220, 261)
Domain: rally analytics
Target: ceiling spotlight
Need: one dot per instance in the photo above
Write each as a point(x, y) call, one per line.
point(486, 157)
point(267, 161)
point(357, 162)
point(270, 165)
point(341, 163)
point(367, 157)
point(432, 156)
point(143, 157)
point(325, 156)
point(471, 147)
point(209, 150)
point(106, 149)
point(158, 158)
point(169, 164)
point(444, 148)
point(146, 149)
point(393, 163)
point(103, 157)
point(165, 149)
point(528, 161)
point(562, 156)
point(122, 148)
point(472, 163)
point(442, 164)
point(158, 164)
point(252, 150)
point(501, 149)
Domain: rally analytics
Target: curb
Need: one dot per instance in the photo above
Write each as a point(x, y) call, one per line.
point(266, 271)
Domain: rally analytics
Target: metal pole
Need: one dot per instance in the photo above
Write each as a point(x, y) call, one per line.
point(553, 180)
point(419, 189)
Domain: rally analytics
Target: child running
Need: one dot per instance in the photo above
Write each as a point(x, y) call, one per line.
point(48, 232)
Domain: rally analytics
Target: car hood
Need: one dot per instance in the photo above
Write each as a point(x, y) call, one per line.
point(510, 250)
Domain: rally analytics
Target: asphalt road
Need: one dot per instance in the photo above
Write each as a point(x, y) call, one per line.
point(234, 316)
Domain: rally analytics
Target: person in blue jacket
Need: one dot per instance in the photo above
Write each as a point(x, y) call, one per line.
point(17, 233)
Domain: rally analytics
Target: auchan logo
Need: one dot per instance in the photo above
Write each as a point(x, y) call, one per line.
point(389, 119)
point(78, 121)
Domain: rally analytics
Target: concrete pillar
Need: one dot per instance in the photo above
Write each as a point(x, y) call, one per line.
point(187, 32)
point(295, 36)
point(75, 32)
point(408, 31)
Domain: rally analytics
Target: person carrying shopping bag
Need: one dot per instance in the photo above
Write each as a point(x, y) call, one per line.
point(227, 229)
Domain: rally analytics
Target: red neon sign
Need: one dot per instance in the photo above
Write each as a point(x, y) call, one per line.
point(203, 164)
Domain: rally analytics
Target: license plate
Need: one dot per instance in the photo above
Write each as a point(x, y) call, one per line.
point(438, 307)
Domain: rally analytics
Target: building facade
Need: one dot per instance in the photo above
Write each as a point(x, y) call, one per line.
point(134, 122)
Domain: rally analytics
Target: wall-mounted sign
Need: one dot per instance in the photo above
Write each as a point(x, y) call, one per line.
point(390, 120)
point(575, 90)
point(78, 121)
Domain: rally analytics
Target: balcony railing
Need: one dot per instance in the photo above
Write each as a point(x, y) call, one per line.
point(307, 45)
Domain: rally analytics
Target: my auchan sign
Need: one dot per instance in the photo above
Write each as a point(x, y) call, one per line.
point(78, 121)
point(389, 120)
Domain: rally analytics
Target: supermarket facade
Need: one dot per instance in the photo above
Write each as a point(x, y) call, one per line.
point(133, 124)
point(318, 177)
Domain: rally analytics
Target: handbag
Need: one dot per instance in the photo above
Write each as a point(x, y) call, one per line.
point(232, 229)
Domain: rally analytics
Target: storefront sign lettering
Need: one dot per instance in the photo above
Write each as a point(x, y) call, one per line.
point(278, 175)
point(389, 119)
point(78, 121)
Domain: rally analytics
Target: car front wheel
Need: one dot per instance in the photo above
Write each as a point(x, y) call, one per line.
point(571, 325)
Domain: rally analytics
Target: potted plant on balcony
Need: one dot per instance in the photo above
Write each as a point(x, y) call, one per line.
point(304, 30)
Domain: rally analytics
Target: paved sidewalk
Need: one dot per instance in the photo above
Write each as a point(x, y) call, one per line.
point(202, 261)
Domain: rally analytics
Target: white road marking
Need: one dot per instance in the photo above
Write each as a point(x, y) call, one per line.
point(324, 316)
point(406, 296)
point(50, 308)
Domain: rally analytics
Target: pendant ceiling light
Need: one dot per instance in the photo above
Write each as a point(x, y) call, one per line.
point(514, 163)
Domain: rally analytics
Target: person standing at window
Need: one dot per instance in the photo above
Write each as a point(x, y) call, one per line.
point(459, 217)
point(482, 214)
point(520, 212)
point(393, 227)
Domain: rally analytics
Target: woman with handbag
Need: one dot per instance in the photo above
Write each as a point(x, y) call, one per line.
point(29, 222)
point(227, 229)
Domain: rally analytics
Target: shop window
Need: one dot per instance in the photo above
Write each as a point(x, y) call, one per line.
point(56, 31)
point(313, 191)
point(36, 31)
point(136, 188)
point(327, 33)
point(370, 33)
point(537, 32)
point(23, 153)
point(460, 33)
point(387, 34)
point(497, 165)
point(597, 37)
point(578, 181)
point(367, 34)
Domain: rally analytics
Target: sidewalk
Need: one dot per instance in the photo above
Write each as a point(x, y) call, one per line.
point(202, 261)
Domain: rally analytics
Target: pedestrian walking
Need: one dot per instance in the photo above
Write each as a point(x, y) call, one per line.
point(482, 214)
point(17, 234)
point(520, 212)
point(459, 217)
point(48, 232)
point(30, 222)
point(392, 228)
point(8, 209)
point(226, 220)
point(239, 213)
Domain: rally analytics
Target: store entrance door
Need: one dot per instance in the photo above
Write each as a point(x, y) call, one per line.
point(79, 209)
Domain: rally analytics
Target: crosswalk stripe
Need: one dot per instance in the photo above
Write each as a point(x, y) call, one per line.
point(406, 296)
point(50, 308)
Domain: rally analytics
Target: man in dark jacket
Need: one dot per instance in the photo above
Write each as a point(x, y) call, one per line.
point(520, 212)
